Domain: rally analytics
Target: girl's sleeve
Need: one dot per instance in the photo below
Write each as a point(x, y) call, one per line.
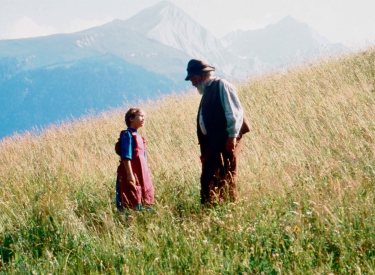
point(126, 145)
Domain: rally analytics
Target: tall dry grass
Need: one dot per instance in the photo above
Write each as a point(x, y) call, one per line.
point(306, 186)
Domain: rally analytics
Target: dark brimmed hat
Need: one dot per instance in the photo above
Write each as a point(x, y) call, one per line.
point(197, 67)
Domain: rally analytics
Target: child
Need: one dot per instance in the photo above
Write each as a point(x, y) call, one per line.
point(134, 185)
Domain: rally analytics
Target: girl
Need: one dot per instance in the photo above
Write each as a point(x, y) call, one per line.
point(134, 185)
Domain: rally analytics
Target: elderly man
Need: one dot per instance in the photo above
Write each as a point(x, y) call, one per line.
point(220, 126)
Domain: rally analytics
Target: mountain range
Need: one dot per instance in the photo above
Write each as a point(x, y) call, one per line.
point(49, 79)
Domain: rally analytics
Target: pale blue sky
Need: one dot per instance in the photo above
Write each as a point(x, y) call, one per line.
point(351, 22)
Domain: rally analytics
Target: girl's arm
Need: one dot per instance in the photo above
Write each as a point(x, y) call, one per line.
point(129, 170)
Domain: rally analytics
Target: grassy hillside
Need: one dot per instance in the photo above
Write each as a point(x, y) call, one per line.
point(306, 186)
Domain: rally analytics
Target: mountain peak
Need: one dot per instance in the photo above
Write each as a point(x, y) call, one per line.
point(169, 25)
point(288, 20)
point(163, 4)
point(289, 23)
point(284, 42)
point(149, 18)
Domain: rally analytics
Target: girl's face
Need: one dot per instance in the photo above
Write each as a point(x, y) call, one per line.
point(138, 121)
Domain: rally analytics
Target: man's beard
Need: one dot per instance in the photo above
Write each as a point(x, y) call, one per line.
point(200, 87)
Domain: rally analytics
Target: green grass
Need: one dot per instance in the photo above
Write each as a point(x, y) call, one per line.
point(306, 186)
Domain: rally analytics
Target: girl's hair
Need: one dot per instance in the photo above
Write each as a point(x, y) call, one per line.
point(131, 113)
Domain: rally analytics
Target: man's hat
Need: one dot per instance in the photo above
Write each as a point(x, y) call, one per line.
point(197, 67)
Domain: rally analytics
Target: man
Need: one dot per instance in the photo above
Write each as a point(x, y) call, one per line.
point(220, 126)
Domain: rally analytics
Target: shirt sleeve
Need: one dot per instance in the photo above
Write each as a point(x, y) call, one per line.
point(232, 108)
point(127, 145)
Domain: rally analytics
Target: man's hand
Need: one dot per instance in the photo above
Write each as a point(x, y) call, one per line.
point(231, 144)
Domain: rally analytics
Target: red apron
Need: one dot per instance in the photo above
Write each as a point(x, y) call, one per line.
point(143, 191)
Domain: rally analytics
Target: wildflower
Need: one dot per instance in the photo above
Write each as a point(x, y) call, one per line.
point(296, 229)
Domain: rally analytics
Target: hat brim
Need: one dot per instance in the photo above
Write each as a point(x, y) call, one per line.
point(199, 71)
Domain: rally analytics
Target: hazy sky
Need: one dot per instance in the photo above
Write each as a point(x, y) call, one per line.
point(351, 22)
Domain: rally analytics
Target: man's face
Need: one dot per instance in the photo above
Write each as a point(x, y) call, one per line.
point(195, 80)
point(198, 82)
